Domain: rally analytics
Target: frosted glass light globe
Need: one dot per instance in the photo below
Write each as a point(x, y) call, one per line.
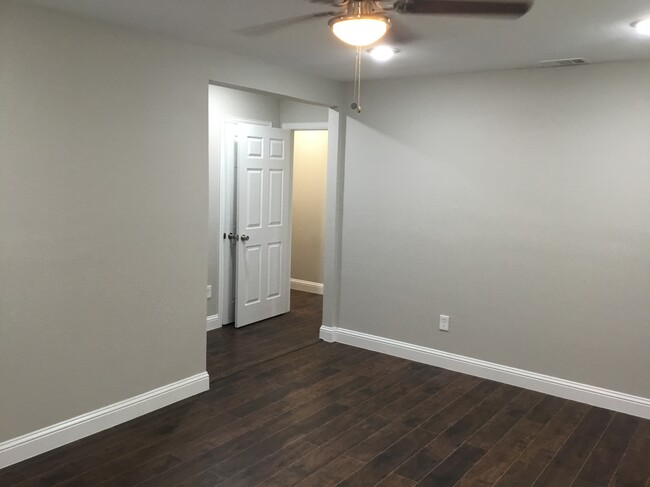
point(360, 31)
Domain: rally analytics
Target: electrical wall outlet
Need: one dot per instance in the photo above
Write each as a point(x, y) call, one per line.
point(209, 292)
point(444, 323)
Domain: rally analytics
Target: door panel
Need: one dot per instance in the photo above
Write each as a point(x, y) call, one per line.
point(276, 197)
point(264, 225)
point(254, 193)
point(274, 274)
point(253, 274)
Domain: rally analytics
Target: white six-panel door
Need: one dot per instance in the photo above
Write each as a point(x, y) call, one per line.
point(263, 223)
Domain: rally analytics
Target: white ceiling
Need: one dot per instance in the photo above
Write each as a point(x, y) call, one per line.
point(598, 30)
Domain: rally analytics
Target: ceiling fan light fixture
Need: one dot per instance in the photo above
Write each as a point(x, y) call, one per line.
point(642, 27)
point(383, 53)
point(360, 30)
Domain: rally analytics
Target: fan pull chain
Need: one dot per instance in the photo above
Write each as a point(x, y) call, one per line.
point(356, 104)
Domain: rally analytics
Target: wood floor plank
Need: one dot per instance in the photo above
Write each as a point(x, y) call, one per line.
point(634, 469)
point(276, 442)
point(453, 467)
point(276, 395)
point(459, 407)
point(554, 435)
point(466, 426)
point(594, 423)
point(583, 483)
point(499, 458)
point(264, 469)
point(443, 445)
point(332, 474)
point(409, 417)
point(11, 476)
point(520, 474)
point(546, 409)
point(324, 455)
point(495, 429)
point(368, 400)
point(394, 480)
point(564, 468)
point(569, 460)
point(601, 465)
point(379, 467)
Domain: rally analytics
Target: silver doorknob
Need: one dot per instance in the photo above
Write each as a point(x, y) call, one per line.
point(233, 236)
point(245, 238)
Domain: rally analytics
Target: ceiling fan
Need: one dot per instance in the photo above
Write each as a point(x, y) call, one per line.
point(361, 23)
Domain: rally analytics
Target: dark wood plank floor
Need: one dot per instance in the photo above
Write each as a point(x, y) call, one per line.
point(328, 414)
point(231, 350)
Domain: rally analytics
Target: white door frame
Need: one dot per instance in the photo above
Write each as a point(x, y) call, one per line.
point(306, 126)
point(336, 128)
point(221, 305)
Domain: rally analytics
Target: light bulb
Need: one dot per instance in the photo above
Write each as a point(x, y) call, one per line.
point(382, 53)
point(642, 27)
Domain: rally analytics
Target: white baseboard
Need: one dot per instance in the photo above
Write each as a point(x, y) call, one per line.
point(328, 334)
point(307, 286)
point(213, 322)
point(575, 391)
point(51, 437)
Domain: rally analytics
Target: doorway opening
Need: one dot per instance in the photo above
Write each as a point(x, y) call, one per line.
point(268, 180)
point(308, 215)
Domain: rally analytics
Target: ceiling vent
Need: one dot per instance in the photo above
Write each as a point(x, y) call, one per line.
point(559, 63)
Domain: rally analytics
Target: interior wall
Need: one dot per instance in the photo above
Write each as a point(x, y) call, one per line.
point(308, 206)
point(516, 202)
point(225, 103)
point(297, 112)
point(104, 209)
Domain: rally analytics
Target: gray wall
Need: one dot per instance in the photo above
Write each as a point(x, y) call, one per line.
point(224, 103)
point(516, 202)
point(296, 112)
point(104, 209)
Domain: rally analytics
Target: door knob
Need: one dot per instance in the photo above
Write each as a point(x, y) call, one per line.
point(245, 238)
point(233, 236)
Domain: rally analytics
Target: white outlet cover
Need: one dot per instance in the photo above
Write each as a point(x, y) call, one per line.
point(209, 292)
point(444, 323)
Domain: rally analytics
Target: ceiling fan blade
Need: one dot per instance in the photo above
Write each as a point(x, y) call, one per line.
point(336, 3)
point(270, 27)
point(464, 7)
